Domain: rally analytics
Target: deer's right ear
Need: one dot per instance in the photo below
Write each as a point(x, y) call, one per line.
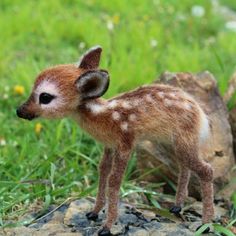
point(93, 84)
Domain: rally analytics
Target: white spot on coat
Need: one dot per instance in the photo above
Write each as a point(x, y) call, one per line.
point(95, 107)
point(132, 117)
point(126, 105)
point(161, 94)
point(149, 98)
point(136, 102)
point(168, 102)
point(115, 115)
point(124, 126)
point(112, 104)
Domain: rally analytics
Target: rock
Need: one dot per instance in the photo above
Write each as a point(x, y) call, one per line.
point(148, 214)
point(219, 153)
point(131, 221)
point(196, 210)
point(71, 217)
point(138, 232)
point(172, 230)
point(17, 231)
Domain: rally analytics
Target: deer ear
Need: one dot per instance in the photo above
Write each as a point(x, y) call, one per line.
point(93, 84)
point(90, 60)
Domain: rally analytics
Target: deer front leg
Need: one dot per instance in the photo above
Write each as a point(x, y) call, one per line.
point(104, 171)
point(182, 189)
point(118, 168)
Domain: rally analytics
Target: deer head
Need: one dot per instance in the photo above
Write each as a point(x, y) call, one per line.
point(58, 91)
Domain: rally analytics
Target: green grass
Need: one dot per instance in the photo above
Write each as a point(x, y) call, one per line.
point(61, 160)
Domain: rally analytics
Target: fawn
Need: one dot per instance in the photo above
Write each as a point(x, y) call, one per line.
point(154, 112)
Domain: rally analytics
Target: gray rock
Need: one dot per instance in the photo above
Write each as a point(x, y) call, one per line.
point(70, 220)
point(137, 232)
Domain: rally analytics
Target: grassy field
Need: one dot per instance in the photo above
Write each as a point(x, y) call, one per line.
point(52, 160)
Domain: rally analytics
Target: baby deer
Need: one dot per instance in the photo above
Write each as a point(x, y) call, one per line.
point(154, 112)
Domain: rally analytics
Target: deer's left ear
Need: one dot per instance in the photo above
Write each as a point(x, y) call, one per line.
point(90, 60)
point(93, 84)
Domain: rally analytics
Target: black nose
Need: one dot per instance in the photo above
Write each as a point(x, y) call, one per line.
point(24, 115)
point(18, 112)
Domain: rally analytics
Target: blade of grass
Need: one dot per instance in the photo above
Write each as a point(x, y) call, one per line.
point(222, 230)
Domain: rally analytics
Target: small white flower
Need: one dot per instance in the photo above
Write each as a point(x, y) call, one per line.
point(82, 45)
point(198, 11)
point(2, 142)
point(5, 96)
point(110, 25)
point(231, 25)
point(153, 43)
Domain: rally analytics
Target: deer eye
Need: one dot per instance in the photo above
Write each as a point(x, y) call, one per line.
point(45, 98)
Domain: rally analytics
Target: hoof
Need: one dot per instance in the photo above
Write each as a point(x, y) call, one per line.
point(206, 231)
point(92, 216)
point(104, 232)
point(175, 209)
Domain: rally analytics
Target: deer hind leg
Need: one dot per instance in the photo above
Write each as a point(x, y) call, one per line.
point(205, 173)
point(104, 170)
point(188, 155)
point(208, 199)
point(118, 169)
point(182, 189)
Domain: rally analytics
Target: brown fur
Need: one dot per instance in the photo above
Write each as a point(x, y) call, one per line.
point(150, 112)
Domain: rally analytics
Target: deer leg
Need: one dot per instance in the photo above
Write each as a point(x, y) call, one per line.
point(207, 199)
point(205, 174)
point(182, 189)
point(118, 169)
point(104, 170)
point(188, 155)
